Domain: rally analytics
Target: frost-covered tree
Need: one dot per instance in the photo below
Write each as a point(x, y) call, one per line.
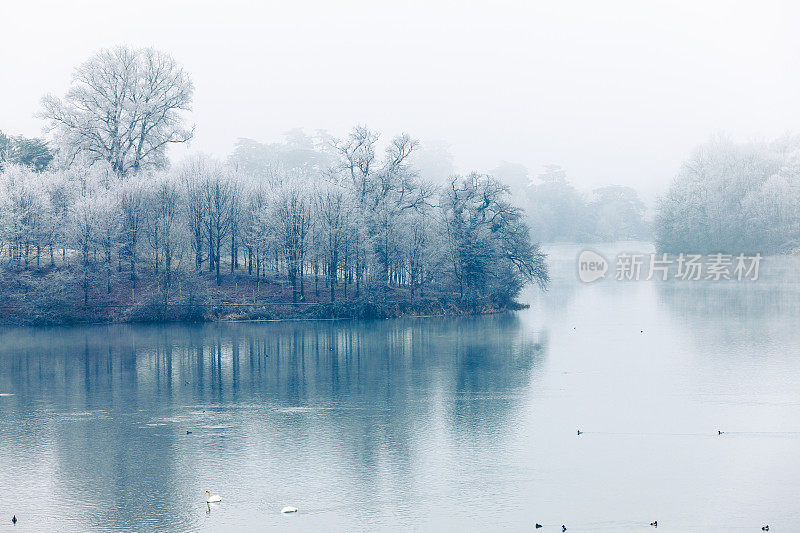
point(219, 193)
point(367, 220)
point(489, 246)
point(254, 224)
point(108, 221)
point(734, 198)
point(165, 232)
point(25, 210)
point(124, 107)
point(84, 221)
point(133, 197)
point(33, 153)
point(293, 224)
point(383, 189)
point(333, 210)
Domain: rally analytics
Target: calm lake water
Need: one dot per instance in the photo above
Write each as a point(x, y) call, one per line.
point(421, 424)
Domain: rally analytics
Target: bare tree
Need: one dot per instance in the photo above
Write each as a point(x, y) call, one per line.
point(85, 213)
point(368, 219)
point(332, 212)
point(163, 231)
point(218, 194)
point(125, 107)
point(383, 190)
point(489, 245)
point(133, 216)
point(190, 172)
point(293, 221)
point(108, 223)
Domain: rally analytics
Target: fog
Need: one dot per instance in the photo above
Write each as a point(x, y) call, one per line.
point(612, 92)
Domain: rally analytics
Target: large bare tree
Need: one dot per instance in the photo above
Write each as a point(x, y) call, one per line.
point(125, 106)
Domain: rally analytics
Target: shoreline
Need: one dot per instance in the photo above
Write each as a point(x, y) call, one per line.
point(208, 313)
point(343, 319)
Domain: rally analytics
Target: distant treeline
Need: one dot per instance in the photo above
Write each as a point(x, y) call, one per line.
point(349, 211)
point(734, 198)
point(560, 213)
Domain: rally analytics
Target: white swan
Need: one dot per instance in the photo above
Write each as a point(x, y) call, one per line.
point(289, 509)
point(212, 499)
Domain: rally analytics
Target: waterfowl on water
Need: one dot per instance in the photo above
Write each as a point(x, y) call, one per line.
point(212, 499)
point(579, 432)
point(14, 520)
point(289, 509)
point(538, 526)
point(654, 524)
point(765, 528)
point(563, 528)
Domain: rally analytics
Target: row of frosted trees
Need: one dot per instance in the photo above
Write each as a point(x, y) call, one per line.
point(734, 198)
point(360, 225)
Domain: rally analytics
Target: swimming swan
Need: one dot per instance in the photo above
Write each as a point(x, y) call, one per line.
point(289, 509)
point(212, 499)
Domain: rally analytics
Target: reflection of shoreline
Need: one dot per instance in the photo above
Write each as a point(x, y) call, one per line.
point(106, 409)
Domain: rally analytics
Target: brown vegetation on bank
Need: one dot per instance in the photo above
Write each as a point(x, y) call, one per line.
point(54, 296)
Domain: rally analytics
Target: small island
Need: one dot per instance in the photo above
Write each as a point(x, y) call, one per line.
point(98, 226)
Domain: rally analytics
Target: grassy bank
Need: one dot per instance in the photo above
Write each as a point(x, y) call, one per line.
point(71, 296)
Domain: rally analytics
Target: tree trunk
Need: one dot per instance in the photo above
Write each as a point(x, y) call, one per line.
point(233, 250)
point(133, 270)
point(316, 279)
point(302, 282)
point(210, 250)
point(216, 259)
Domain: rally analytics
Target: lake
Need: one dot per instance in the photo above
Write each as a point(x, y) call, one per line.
point(421, 424)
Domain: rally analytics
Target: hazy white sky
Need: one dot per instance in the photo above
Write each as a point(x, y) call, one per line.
point(615, 92)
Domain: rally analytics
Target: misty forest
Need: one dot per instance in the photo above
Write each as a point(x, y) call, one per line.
point(96, 223)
